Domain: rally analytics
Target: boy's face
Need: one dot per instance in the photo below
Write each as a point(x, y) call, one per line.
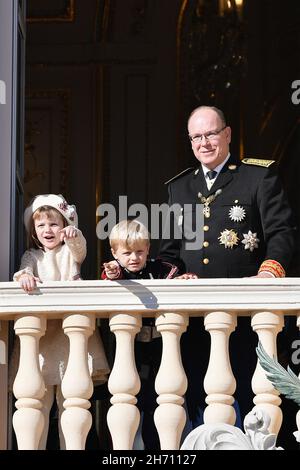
point(134, 258)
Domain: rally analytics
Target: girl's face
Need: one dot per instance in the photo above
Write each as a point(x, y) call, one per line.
point(47, 228)
point(133, 259)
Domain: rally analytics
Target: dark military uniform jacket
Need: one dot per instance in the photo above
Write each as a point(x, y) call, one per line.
point(247, 204)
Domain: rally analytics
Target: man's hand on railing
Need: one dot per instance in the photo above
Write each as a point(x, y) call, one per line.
point(187, 276)
point(263, 274)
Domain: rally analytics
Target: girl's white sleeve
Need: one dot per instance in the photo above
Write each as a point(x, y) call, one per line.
point(26, 267)
point(77, 247)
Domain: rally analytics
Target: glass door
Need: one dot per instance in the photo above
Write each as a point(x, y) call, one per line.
point(12, 64)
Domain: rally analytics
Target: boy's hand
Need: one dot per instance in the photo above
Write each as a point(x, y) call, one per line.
point(28, 282)
point(68, 232)
point(112, 269)
point(187, 276)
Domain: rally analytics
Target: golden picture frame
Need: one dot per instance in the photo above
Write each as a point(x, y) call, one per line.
point(67, 15)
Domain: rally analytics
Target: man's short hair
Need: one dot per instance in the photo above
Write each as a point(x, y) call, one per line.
point(213, 108)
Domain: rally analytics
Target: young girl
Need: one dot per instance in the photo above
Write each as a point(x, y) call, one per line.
point(57, 250)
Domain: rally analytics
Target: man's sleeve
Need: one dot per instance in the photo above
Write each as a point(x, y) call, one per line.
point(277, 222)
point(27, 266)
point(170, 245)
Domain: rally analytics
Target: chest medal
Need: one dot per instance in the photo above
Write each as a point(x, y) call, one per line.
point(228, 238)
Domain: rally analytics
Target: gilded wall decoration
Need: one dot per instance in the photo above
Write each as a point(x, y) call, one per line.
point(51, 12)
point(211, 64)
point(102, 17)
point(216, 50)
point(139, 11)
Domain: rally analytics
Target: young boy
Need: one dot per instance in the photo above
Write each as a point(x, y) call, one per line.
point(130, 244)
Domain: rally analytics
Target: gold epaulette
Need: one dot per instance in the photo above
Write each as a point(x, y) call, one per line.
point(258, 162)
point(187, 170)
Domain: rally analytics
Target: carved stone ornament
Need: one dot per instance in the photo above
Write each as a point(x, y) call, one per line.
point(227, 437)
point(285, 381)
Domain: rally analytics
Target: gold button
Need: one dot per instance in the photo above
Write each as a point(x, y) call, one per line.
point(206, 261)
point(205, 244)
point(206, 228)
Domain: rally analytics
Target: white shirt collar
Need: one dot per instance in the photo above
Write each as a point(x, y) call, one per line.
point(217, 169)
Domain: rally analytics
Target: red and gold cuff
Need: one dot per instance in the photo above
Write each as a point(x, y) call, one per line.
point(273, 267)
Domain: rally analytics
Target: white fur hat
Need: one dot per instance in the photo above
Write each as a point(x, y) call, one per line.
point(58, 202)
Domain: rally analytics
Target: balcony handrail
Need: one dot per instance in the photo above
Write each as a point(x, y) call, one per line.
point(195, 296)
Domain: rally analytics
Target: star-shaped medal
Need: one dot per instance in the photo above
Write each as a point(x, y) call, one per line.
point(250, 240)
point(237, 213)
point(228, 238)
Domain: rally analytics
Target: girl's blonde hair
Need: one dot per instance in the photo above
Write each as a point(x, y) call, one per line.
point(48, 211)
point(130, 233)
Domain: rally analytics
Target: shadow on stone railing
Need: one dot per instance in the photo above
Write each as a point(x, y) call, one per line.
point(228, 437)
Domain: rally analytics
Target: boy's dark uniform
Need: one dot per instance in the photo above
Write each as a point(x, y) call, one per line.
point(148, 349)
point(250, 192)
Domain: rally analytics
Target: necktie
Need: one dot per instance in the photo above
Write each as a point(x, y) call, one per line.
point(212, 174)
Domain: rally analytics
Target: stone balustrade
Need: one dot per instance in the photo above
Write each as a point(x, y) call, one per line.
point(125, 303)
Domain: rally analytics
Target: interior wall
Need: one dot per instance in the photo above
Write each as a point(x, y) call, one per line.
point(110, 84)
point(271, 119)
point(101, 107)
point(245, 62)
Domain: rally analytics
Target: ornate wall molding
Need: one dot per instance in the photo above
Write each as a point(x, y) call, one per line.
point(211, 63)
point(102, 20)
point(61, 11)
point(46, 141)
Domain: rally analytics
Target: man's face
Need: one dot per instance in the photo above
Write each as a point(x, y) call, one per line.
point(211, 150)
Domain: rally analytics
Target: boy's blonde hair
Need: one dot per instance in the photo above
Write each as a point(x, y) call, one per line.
point(130, 233)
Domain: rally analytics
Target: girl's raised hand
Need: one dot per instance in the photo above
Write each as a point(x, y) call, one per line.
point(68, 232)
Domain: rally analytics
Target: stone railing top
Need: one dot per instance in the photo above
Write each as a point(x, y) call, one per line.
point(195, 296)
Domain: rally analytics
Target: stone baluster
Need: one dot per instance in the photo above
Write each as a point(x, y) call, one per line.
point(124, 383)
point(29, 387)
point(267, 325)
point(77, 385)
point(219, 381)
point(171, 381)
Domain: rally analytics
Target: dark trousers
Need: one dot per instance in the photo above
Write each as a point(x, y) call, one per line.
point(148, 357)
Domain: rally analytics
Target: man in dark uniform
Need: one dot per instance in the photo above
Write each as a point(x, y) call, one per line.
point(246, 230)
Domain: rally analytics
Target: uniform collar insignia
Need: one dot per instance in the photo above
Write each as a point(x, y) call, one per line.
point(184, 172)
